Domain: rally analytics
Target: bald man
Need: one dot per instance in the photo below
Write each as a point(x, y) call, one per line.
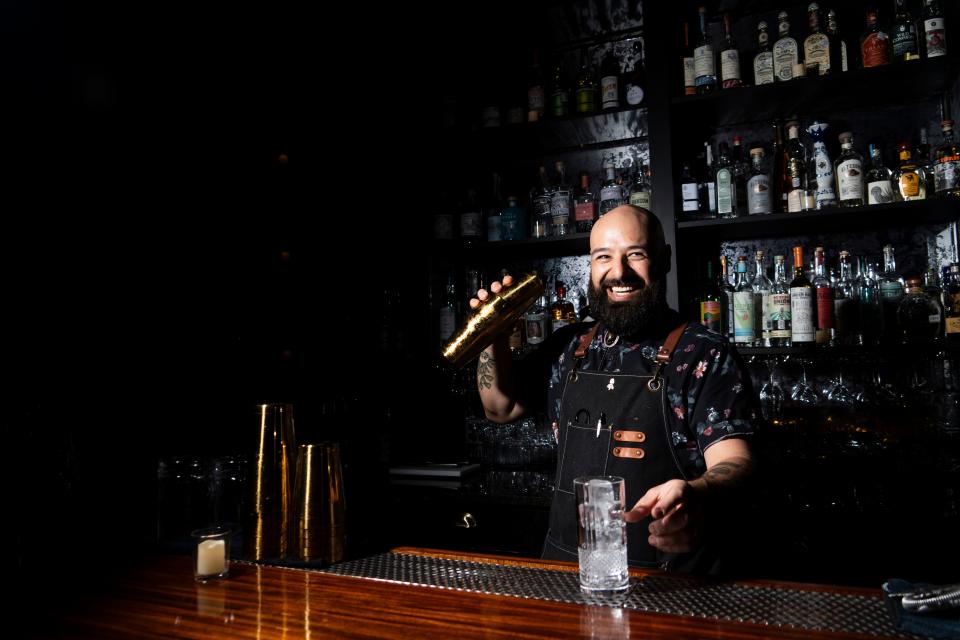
point(639, 393)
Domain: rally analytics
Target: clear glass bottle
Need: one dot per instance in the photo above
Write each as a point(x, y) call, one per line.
point(910, 178)
point(513, 220)
point(536, 323)
point(816, 46)
point(785, 50)
point(870, 309)
point(848, 167)
point(741, 173)
point(689, 193)
point(874, 43)
point(707, 184)
point(796, 169)
point(585, 205)
point(729, 58)
point(611, 194)
point(640, 189)
point(891, 293)
point(845, 310)
point(825, 334)
point(802, 303)
point(879, 185)
point(763, 60)
point(762, 288)
point(704, 63)
point(946, 168)
point(918, 316)
point(725, 179)
point(561, 201)
point(759, 198)
point(743, 306)
point(777, 305)
point(934, 30)
point(541, 224)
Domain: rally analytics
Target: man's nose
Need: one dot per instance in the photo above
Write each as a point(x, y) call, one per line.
point(617, 268)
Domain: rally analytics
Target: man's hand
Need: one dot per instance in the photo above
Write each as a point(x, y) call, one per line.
point(677, 516)
point(495, 286)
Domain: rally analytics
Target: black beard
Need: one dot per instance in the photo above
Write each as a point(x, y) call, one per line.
point(626, 318)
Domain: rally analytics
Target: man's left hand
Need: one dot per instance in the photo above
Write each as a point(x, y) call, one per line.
point(677, 516)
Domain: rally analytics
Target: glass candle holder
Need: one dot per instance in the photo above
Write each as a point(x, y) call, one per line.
point(211, 553)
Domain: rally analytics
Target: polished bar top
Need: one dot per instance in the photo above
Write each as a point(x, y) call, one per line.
point(159, 599)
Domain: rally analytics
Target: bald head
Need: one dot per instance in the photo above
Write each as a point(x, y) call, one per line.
point(634, 226)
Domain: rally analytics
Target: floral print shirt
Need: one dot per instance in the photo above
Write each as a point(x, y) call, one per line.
point(709, 393)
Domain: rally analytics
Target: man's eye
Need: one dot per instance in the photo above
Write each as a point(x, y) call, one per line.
point(601, 257)
point(640, 255)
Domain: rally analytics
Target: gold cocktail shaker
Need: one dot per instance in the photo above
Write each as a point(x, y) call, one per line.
point(270, 528)
point(490, 319)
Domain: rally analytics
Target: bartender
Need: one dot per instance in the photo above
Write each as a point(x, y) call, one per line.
point(636, 393)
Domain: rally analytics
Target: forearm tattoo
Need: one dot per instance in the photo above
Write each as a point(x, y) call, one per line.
point(727, 474)
point(485, 372)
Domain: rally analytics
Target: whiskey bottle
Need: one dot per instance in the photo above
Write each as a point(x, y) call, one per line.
point(585, 205)
point(729, 58)
point(776, 306)
point(704, 63)
point(763, 61)
point(785, 50)
point(535, 321)
point(946, 170)
point(848, 168)
point(816, 46)
point(935, 34)
point(825, 301)
point(562, 312)
point(874, 43)
point(689, 68)
point(758, 186)
point(802, 303)
point(910, 178)
point(610, 80)
point(743, 306)
point(879, 186)
point(795, 174)
point(903, 39)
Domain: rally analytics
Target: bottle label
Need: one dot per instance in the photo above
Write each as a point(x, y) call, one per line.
point(875, 50)
point(634, 94)
point(640, 199)
point(585, 100)
point(946, 173)
point(784, 57)
point(611, 193)
point(758, 194)
point(689, 76)
point(795, 201)
point(558, 103)
point(825, 307)
point(780, 316)
point(704, 67)
point(710, 315)
point(880, 192)
point(824, 168)
point(585, 211)
point(560, 207)
point(909, 185)
point(728, 303)
point(936, 37)
point(801, 314)
point(712, 197)
point(536, 328)
point(724, 192)
point(952, 326)
point(904, 40)
point(816, 48)
point(763, 68)
point(535, 99)
point(610, 95)
point(850, 179)
point(470, 224)
point(843, 54)
point(891, 290)
point(743, 312)
point(688, 191)
point(558, 323)
point(730, 66)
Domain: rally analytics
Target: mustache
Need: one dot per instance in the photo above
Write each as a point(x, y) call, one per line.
point(620, 282)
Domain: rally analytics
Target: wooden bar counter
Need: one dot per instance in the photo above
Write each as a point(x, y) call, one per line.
point(159, 599)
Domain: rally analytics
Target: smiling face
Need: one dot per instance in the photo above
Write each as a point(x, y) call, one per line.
point(625, 273)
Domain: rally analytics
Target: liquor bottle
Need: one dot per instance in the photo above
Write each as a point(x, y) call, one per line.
point(777, 305)
point(879, 186)
point(758, 186)
point(707, 184)
point(729, 58)
point(611, 195)
point(535, 94)
point(743, 306)
point(874, 43)
point(561, 201)
point(918, 316)
point(635, 80)
point(513, 220)
point(711, 301)
point(689, 193)
point(493, 209)
point(448, 312)
point(934, 29)
point(609, 80)
point(778, 171)
point(869, 309)
point(704, 63)
point(560, 91)
point(910, 178)
point(562, 312)
point(762, 290)
point(816, 46)
point(726, 297)
point(795, 174)
point(640, 189)
point(726, 187)
point(741, 173)
point(838, 46)
point(903, 39)
point(785, 50)
point(922, 158)
point(542, 222)
point(946, 170)
point(848, 168)
point(802, 303)
point(951, 304)
point(826, 195)
point(825, 298)
point(845, 310)
point(891, 294)
point(763, 61)
point(585, 205)
point(689, 69)
point(471, 220)
point(536, 322)
point(586, 85)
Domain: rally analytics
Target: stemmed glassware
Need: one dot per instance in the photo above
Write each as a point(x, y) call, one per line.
point(802, 392)
point(771, 394)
